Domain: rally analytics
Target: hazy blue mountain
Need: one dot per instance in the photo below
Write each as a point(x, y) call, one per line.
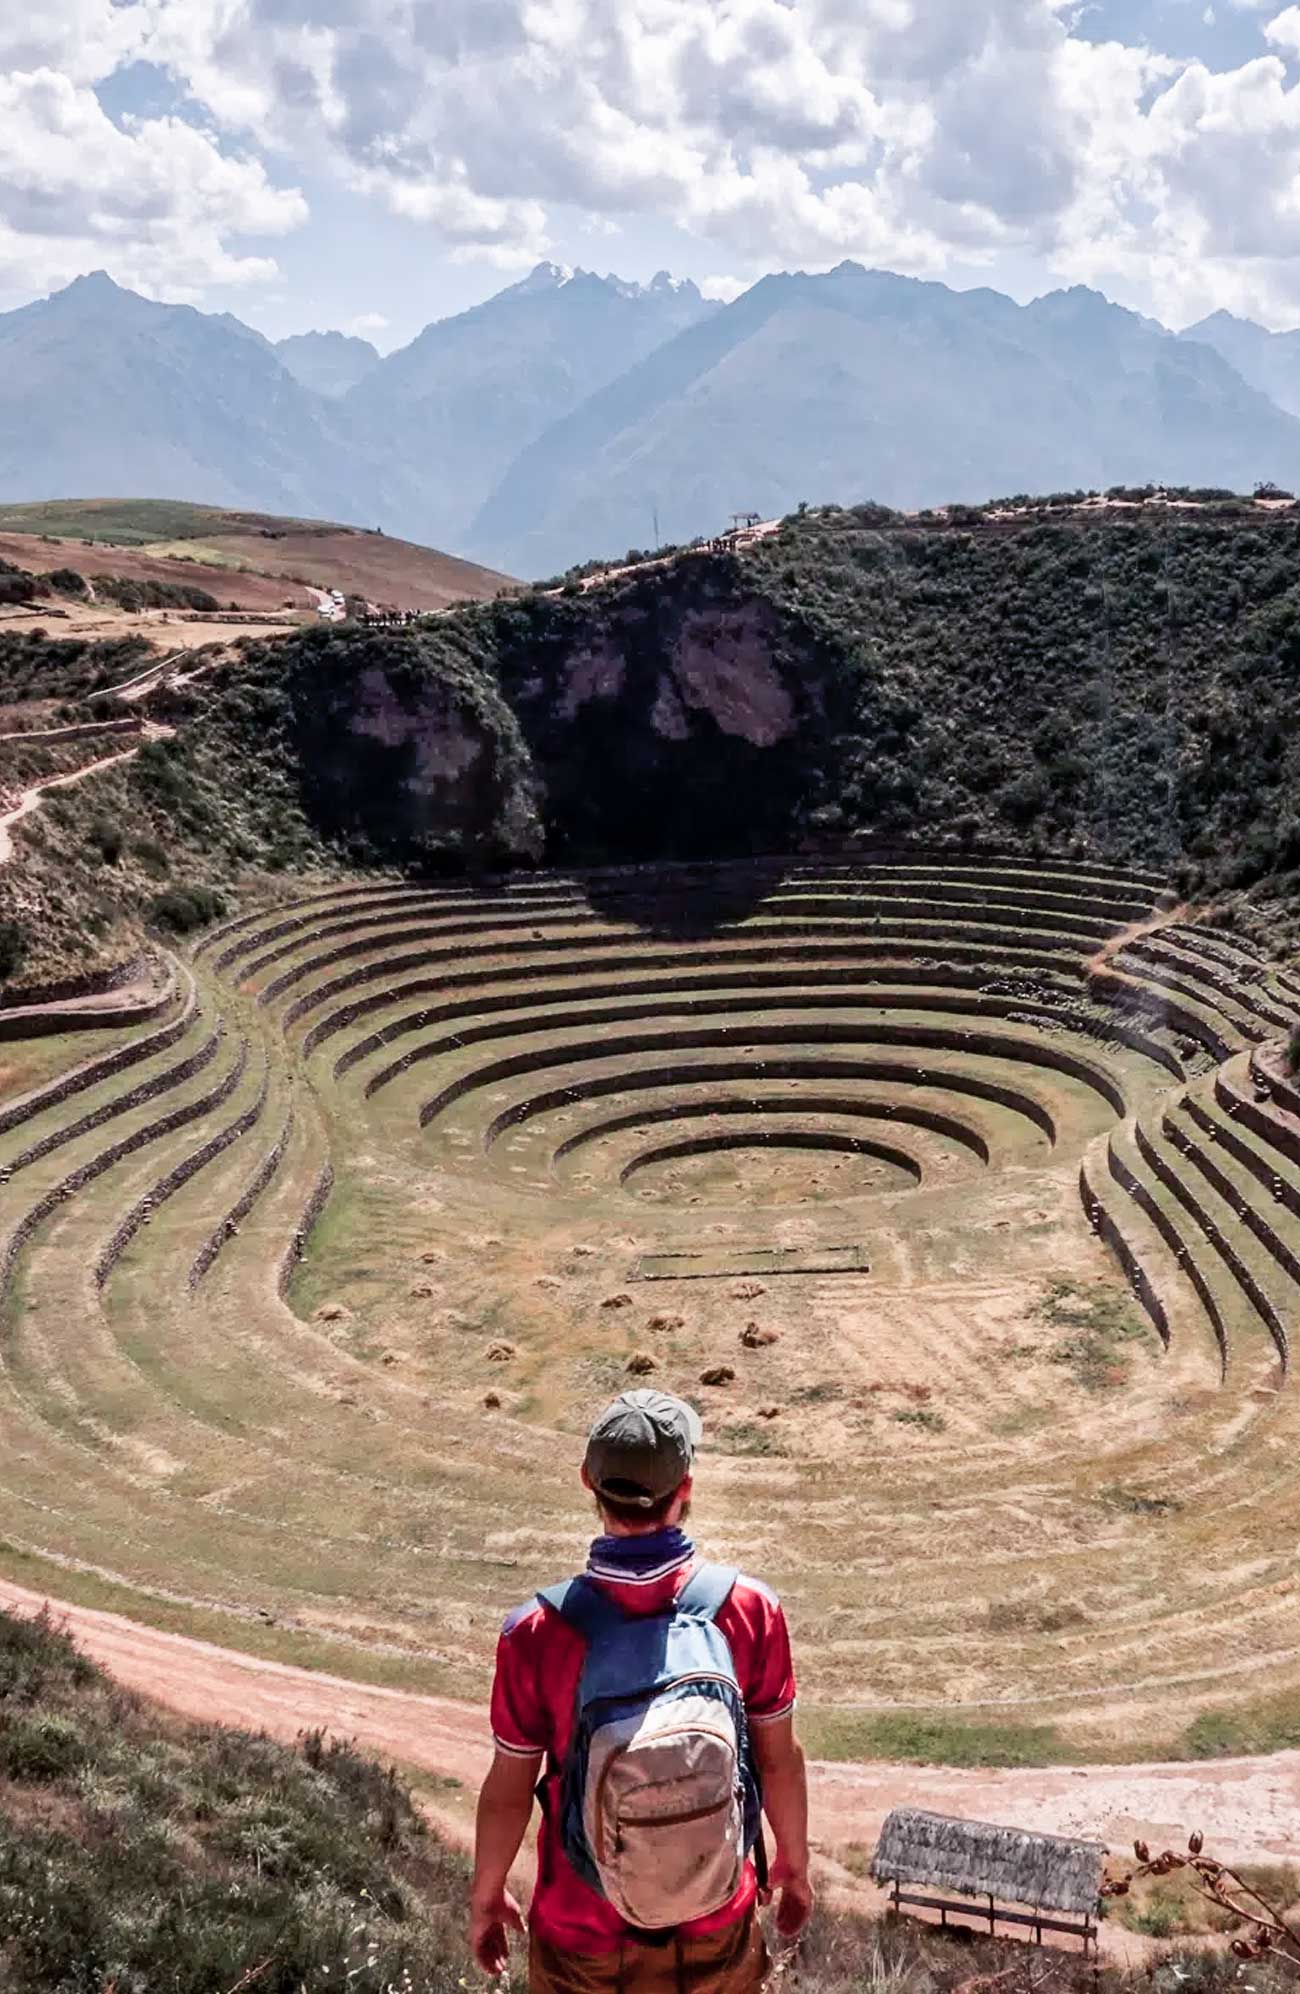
point(105, 394)
point(457, 405)
point(559, 420)
point(1270, 361)
point(329, 363)
point(859, 384)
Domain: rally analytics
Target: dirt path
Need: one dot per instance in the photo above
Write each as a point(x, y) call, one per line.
point(1249, 1808)
point(144, 681)
point(80, 730)
point(29, 798)
point(1165, 917)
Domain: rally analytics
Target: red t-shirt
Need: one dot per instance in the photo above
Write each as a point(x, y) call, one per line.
point(539, 1662)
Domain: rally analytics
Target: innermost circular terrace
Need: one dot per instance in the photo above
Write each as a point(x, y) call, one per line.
point(308, 1289)
point(778, 1166)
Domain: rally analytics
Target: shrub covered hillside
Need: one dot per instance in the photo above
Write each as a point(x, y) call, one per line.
point(1116, 685)
point(1124, 689)
point(155, 1857)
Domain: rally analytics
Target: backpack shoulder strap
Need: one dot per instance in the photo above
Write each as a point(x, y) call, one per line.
point(707, 1591)
point(585, 1607)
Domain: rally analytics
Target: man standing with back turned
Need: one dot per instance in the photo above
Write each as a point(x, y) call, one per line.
point(656, 1693)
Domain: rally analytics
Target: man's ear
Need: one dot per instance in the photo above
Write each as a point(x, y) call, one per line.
point(685, 1489)
point(587, 1482)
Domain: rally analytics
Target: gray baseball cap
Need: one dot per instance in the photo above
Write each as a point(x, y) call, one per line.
point(641, 1448)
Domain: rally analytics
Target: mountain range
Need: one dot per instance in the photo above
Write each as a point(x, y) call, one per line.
point(572, 415)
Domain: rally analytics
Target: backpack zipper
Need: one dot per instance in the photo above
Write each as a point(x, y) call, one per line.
point(681, 1820)
point(655, 1688)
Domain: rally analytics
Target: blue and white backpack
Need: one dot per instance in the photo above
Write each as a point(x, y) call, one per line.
point(659, 1797)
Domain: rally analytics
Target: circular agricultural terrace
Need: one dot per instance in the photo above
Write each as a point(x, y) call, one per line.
point(971, 1189)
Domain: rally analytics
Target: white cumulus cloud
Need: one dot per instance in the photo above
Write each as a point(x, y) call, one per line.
point(157, 197)
point(909, 133)
point(1284, 30)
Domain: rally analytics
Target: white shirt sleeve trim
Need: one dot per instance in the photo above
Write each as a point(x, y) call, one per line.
point(518, 1751)
point(771, 1716)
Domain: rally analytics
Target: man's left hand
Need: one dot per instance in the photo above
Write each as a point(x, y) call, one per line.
point(491, 1921)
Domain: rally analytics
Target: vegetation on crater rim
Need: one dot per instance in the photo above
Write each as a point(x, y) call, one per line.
point(1108, 686)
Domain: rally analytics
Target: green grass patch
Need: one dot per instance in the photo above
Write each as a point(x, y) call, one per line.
point(1269, 1725)
point(331, 1655)
point(1099, 1323)
point(139, 1852)
point(127, 522)
point(930, 1738)
point(922, 1416)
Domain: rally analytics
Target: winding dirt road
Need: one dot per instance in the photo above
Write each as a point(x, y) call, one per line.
point(1249, 1808)
point(29, 798)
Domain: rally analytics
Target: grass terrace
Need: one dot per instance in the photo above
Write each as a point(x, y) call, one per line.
point(309, 1286)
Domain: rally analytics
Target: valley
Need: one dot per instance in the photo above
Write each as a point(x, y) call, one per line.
point(770, 970)
point(301, 1287)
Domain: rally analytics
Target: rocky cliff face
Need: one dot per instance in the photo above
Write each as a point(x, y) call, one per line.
point(1089, 686)
point(399, 753)
point(663, 720)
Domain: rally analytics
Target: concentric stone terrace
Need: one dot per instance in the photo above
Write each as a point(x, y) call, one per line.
point(961, 1196)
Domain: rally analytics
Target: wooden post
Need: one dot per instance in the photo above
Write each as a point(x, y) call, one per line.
point(992, 1918)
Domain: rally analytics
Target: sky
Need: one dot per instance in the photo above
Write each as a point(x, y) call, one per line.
point(370, 165)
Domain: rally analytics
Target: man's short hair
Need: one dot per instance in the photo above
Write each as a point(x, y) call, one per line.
point(635, 1511)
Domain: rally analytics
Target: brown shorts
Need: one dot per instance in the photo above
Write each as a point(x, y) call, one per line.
point(730, 1961)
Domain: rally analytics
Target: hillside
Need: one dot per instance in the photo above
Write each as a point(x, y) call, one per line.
point(860, 383)
point(104, 391)
point(251, 560)
point(140, 1852)
point(1118, 684)
point(455, 407)
point(574, 415)
point(329, 363)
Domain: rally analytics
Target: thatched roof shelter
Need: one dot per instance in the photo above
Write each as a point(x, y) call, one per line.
point(978, 1859)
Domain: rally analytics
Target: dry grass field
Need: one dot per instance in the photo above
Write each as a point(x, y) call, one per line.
point(962, 1199)
point(250, 560)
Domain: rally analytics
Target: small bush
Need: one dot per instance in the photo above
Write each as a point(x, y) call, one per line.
point(106, 837)
point(40, 1748)
point(152, 857)
point(922, 1416)
point(34, 1654)
point(130, 592)
point(13, 949)
point(182, 909)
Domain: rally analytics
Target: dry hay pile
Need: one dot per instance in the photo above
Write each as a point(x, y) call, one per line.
point(970, 1189)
